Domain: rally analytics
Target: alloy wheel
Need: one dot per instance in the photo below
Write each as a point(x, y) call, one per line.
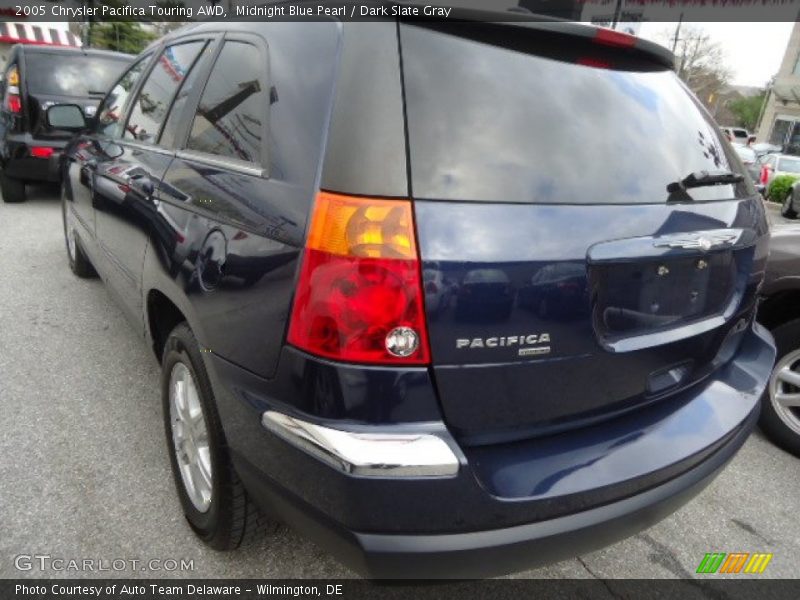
point(784, 390)
point(190, 437)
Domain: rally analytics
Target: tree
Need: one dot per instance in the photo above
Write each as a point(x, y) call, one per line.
point(122, 36)
point(746, 110)
point(700, 63)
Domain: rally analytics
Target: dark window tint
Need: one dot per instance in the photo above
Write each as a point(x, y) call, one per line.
point(116, 103)
point(54, 36)
point(71, 74)
point(230, 117)
point(489, 123)
point(20, 31)
point(170, 129)
point(151, 105)
point(37, 34)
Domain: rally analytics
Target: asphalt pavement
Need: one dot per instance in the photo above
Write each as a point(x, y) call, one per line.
point(84, 473)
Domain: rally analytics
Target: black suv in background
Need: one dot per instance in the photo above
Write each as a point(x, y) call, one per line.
point(263, 198)
point(35, 78)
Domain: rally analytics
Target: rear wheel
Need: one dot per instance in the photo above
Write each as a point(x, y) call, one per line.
point(780, 414)
point(787, 209)
point(213, 498)
point(13, 190)
point(79, 264)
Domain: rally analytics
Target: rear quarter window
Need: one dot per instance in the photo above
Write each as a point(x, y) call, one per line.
point(494, 124)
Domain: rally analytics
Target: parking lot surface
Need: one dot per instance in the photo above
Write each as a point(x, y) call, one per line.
point(84, 472)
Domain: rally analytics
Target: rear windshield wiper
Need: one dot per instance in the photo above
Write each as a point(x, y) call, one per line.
point(703, 179)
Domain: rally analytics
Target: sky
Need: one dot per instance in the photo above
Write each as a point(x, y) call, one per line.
point(753, 51)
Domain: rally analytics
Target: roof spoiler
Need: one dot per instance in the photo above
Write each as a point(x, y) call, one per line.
point(551, 26)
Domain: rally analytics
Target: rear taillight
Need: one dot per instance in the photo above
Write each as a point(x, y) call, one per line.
point(359, 295)
point(13, 99)
point(41, 151)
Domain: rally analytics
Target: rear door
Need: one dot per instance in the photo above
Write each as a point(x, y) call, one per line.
point(94, 149)
point(539, 171)
point(127, 185)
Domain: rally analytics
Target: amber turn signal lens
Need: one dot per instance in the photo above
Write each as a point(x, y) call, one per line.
point(362, 227)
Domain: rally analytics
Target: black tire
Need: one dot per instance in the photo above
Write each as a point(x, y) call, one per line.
point(13, 190)
point(231, 517)
point(787, 340)
point(787, 210)
point(79, 264)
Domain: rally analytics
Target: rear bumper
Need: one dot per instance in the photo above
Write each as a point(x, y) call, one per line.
point(19, 164)
point(495, 552)
point(507, 508)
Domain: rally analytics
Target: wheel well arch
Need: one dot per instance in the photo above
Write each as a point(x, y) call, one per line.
point(163, 315)
point(779, 308)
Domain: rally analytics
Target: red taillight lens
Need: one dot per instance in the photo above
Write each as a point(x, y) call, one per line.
point(41, 152)
point(14, 103)
point(13, 100)
point(359, 295)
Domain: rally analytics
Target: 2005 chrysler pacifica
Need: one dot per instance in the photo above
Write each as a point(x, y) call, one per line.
point(263, 199)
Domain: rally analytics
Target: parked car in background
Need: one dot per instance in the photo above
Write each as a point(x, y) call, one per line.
point(35, 78)
point(773, 165)
point(763, 148)
point(750, 160)
point(737, 135)
point(320, 388)
point(780, 312)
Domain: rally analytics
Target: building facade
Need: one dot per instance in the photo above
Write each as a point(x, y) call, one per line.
point(780, 123)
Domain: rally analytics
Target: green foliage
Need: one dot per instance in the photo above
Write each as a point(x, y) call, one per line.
point(746, 110)
point(780, 187)
point(122, 36)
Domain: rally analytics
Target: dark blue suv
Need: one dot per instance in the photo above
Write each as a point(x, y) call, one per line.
point(580, 358)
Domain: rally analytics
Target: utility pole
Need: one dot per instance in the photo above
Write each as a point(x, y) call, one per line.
point(677, 31)
point(617, 12)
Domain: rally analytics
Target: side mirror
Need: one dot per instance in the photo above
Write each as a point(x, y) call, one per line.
point(66, 117)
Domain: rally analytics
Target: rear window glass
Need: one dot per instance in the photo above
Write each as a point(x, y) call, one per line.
point(73, 74)
point(494, 124)
point(789, 165)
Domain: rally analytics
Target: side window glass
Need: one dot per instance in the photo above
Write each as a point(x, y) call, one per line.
point(192, 79)
point(229, 120)
point(116, 102)
point(151, 105)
